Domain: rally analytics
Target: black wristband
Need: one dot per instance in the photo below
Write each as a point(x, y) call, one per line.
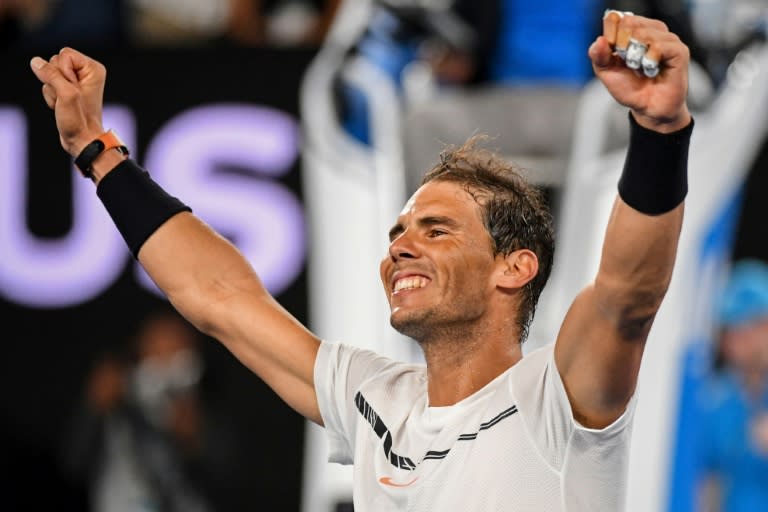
point(655, 175)
point(137, 205)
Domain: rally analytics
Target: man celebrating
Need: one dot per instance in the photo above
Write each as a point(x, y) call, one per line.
point(478, 427)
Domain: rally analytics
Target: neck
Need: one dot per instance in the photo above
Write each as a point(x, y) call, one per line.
point(460, 362)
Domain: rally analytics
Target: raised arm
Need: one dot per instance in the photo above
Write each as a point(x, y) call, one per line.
point(203, 275)
point(601, 341)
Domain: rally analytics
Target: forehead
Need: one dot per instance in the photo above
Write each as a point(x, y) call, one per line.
point(440, 198)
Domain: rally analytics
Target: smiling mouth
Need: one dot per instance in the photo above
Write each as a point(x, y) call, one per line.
point(409, 283)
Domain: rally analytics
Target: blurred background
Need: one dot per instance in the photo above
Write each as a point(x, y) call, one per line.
point(298, 128)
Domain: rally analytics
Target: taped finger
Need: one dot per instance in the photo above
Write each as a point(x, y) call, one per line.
point(610, 25)
point(664, 50)
point(620, 14)
point(650, 66)
point(635, 53)
point(617, 30)
point(623, 36)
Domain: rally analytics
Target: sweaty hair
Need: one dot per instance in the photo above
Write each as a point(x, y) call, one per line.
point(513, 210)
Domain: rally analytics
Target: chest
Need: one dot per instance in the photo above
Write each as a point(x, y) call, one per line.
point(482, 459)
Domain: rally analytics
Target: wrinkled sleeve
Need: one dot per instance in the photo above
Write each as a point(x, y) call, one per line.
point(585, 456)
point(548, 415)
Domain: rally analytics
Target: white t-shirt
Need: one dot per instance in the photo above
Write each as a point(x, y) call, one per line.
point(511, 446)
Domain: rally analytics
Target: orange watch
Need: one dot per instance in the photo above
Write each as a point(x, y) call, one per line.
point(104, 142)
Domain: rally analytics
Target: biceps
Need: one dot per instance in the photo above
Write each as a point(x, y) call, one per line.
point(598, 354)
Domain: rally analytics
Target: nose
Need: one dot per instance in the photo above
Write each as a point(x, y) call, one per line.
point(403, 247)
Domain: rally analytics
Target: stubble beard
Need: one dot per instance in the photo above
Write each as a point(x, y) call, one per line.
point(431, 325)
point(416, 326)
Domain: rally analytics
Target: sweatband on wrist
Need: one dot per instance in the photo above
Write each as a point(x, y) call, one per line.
point(137, 205)
point(655, 175)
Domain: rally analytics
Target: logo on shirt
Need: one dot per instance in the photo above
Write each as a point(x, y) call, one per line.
point(387, 480)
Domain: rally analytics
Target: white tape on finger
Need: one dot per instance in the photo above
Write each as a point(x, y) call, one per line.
point(620, 13)
point(635, 53)
point(650, 67)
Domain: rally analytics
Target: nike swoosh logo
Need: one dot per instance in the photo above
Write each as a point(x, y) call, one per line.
point(387, 480)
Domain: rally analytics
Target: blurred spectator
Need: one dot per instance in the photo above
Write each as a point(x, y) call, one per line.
point(56, 23)
point(180, 22)
point(299, 22)
point(143, 438)
point(494, 47)
point(537, 67)
point(733, 433)
point(241, 22)
point(517, 56)
point(18, 15)
point(544, 43)
point(453, 38)
point(459, 41)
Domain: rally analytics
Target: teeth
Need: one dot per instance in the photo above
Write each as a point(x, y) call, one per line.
point(409, 283)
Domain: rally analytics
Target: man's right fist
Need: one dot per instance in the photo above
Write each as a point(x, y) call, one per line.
point(73, 86)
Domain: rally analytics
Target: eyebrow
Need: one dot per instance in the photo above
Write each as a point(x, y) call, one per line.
point(432, 220)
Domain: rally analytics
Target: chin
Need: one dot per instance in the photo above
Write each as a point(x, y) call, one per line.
point(415, 325)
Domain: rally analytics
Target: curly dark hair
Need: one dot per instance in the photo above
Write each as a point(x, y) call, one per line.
point(514, 211)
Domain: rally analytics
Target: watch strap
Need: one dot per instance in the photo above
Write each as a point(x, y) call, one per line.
point(104, 142)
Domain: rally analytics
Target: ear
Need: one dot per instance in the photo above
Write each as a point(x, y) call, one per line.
point(516, 269)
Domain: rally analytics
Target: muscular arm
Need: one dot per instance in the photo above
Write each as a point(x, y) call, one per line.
point(601, 341)
point(204, 276)
point(207, 279)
